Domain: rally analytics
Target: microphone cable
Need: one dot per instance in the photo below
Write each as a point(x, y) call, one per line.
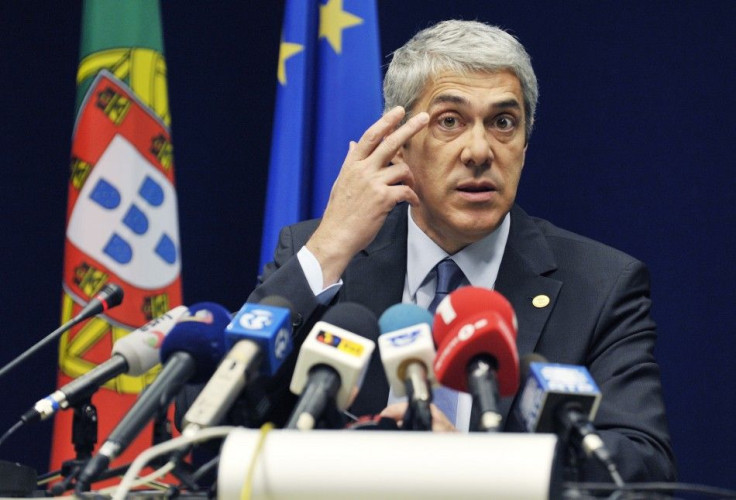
point(130, 479)
point(10, 431)
point(649, 489)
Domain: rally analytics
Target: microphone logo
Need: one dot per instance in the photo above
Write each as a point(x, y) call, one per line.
point(567, 379)
point(282, 343)
point(343, 345)
point(467, 331)
point(257, 319)
point(200, 316)
point(155, 338)
point(404, 339)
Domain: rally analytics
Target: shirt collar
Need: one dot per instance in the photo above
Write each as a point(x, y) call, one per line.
point(479, 261)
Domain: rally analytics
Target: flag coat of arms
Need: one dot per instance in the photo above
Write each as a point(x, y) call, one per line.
point(122, 223)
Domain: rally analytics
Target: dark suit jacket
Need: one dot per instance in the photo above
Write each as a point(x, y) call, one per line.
point(598, 316)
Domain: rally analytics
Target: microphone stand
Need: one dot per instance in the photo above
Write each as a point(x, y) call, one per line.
point(84, 438)
point(161, 433)
point(418, 416)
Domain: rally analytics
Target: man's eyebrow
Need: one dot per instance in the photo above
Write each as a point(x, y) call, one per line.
point(508, 103)
point(457, 99)
point(448, 98)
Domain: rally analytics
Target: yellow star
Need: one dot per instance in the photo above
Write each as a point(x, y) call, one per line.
point(286, 50)
point(332, 20)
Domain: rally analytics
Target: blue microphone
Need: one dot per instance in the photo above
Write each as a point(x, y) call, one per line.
point(552, 391)
point(189, 353)
point(259, 338)
point(407, 353)
point(563, 399)
point(268, 325)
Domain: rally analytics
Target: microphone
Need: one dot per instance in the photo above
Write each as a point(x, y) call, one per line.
point(332, 363)
point(134, 354)
point(189, 353)
point(407, 352)
point(259, 337)
point(563, 399)
point(475, 330)
point(110, 296)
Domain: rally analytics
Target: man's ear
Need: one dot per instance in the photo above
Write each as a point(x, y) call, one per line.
point(523, 156)
point(399, 156)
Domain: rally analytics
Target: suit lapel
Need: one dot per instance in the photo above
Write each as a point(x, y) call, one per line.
point(522, 279)
point(376, 275)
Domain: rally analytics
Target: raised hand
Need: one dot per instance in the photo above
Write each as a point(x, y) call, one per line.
point(365, 191)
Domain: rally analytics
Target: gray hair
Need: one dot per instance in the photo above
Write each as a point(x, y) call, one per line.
point(459, 47)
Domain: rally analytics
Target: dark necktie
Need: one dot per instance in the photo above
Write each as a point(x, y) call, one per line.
point(449, 278)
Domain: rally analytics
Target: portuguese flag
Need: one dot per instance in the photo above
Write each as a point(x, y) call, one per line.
point(122, 224)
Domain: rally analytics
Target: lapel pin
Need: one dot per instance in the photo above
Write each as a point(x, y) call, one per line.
point(540, 301)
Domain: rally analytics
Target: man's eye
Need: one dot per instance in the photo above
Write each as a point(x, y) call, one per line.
point(449, 122)
point(505, 123)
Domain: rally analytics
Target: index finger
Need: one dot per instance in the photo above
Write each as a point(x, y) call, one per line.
point(381, 131)
point(392, 143)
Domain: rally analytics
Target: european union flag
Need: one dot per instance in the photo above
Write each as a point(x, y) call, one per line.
point(329, 93)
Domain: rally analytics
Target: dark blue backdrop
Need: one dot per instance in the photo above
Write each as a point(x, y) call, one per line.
point(635, 129)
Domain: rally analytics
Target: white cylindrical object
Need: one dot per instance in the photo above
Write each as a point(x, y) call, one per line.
point(387, 464)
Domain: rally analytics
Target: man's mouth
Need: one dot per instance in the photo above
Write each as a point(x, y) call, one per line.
point(482, 187)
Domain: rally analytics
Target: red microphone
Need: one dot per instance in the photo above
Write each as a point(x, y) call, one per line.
point(475, 330)
point(467, 301)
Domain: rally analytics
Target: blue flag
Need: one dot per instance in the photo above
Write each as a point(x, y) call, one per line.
point(329, 93)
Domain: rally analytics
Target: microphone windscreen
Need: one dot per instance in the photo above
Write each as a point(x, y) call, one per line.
point(354, 318)
point(467, 304)
point(525, 364)
point(140, 348)
point(406, 339)
point(279, 301)
point(276, 301)
point(400, 316)
point(485, 334)
point(199, 332)
point(112, 294)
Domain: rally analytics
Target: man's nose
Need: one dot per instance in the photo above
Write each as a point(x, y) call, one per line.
point(477, 150)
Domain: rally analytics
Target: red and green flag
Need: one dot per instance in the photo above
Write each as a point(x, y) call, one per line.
point(122, 222)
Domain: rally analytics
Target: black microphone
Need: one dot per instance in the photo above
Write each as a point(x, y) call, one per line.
point(332, 363)
point(110, 296)
point(190, 353)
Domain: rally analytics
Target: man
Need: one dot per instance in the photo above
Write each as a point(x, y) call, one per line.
point(436, 177)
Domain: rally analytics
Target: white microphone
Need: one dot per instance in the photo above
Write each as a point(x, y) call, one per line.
point(332, 363)
point(134, 354)
point(408, 353)
point(190, 353)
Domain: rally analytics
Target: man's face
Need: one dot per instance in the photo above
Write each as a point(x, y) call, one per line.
point(467, 162)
